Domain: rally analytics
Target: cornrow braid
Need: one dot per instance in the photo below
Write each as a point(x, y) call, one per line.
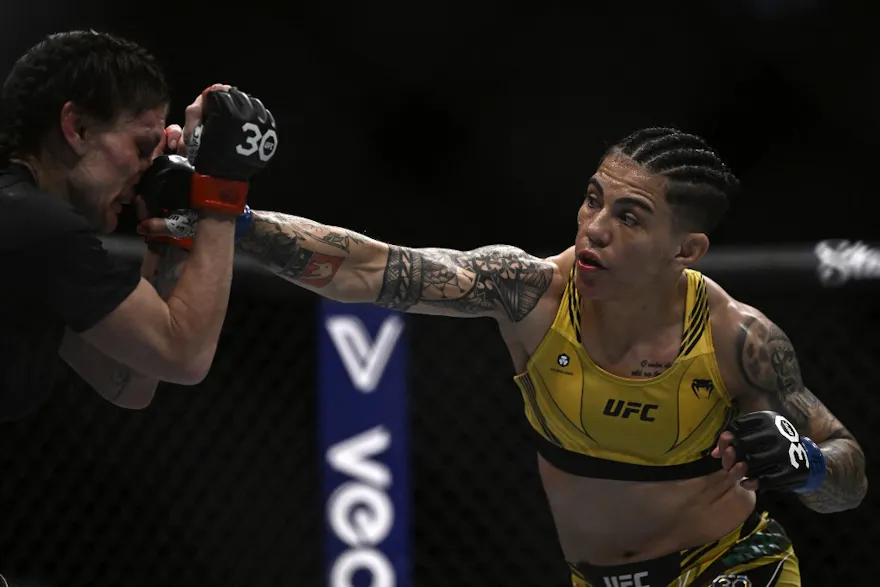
point(104, 75)
point(700, 184)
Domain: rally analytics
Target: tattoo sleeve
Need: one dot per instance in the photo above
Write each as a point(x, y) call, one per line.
point(494, 279)
point(769, 365)
point(499, 280)
point(300, 250)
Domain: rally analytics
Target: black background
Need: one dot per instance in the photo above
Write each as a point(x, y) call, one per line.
point(462, 123)
point(448, 124)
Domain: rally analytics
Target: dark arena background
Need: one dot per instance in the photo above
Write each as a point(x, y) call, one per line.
point(452, 124)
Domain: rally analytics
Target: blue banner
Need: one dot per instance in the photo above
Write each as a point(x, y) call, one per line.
point(364, 445)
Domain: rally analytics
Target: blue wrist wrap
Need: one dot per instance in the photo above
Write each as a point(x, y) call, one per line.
point(243, 222)
point(817, 466)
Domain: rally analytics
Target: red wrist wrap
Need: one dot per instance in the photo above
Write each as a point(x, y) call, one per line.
point(219, 195)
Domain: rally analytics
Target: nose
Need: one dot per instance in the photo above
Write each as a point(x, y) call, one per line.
point(598, 229)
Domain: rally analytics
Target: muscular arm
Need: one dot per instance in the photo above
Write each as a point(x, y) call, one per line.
point(772, 380)
point(499, 281)
point(115, 382)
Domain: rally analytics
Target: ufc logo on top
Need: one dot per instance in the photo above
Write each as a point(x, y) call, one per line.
point(634, 580)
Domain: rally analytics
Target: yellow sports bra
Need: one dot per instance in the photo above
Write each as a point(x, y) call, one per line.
point(592, 423)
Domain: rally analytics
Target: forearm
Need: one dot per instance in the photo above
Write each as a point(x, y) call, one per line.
point(845, 483)
point(197, 302)
point(333, 262)
point(498, 281)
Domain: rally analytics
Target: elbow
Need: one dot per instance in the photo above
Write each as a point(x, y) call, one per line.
point(188, 353)
point(188, 367)
point(859, 495)
point(189, 372)
point(837, 500)
point(853, 501)
point(188, 375)
point(134, 403)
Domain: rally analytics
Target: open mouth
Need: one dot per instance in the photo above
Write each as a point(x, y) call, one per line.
point(587, 260)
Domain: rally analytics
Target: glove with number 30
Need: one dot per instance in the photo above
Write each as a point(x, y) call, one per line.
point(776, 454)
point(235, 139)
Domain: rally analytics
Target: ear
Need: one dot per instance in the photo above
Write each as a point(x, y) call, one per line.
point(691, 248)
point(73, 127)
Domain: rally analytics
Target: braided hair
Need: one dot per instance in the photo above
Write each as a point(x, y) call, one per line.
point(700, 184)
point(105, 76)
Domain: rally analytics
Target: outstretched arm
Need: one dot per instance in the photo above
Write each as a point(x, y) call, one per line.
point(771, 378)
point(500, 281)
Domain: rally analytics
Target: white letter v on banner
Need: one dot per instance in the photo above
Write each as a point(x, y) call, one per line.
point(365, 360)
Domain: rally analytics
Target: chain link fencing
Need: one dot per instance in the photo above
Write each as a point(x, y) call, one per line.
point(220, 484)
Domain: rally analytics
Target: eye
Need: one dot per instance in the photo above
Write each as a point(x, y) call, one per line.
point(145, 148)
point(592, 201)
point(629, 219)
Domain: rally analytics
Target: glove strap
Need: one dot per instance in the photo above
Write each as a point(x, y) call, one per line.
point(243, 223)
point(218, 195)
point(817, 466)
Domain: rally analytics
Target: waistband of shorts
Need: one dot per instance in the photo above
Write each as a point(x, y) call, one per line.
point(673, 564)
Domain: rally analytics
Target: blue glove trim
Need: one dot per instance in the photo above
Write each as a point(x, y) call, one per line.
point(817, 466)
point(244, 222)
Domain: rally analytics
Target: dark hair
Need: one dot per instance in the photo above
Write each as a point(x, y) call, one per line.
point(103, 75)
point(700, 184)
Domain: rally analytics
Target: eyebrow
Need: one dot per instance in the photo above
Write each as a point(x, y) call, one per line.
point(631, 200)
point(637, 202)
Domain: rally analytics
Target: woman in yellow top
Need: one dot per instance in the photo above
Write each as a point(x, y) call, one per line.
point(659, 404)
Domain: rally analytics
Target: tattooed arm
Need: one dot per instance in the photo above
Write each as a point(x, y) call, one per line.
point(114, 381)
point(769, 378)
point(498, 281)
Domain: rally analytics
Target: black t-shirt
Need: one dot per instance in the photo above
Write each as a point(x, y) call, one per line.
point(54, 272)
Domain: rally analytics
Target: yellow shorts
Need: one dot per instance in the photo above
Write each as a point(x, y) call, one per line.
point(757, 554)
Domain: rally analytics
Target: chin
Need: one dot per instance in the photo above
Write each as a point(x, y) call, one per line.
point(108, 224)
point(599, 288)
point(589, 289)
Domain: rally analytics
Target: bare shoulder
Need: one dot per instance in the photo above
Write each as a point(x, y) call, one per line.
point(753, 353)
point(530, 331)
point(725, 312)
point(560, 265)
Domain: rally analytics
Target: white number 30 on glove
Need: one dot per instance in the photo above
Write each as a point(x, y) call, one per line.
point(796, 452)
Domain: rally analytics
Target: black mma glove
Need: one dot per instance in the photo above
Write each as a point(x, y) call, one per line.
point(776, 454)
point(165, 189)
point(236, 139)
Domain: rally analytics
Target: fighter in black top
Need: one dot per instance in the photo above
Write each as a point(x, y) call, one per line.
point(83, 117)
